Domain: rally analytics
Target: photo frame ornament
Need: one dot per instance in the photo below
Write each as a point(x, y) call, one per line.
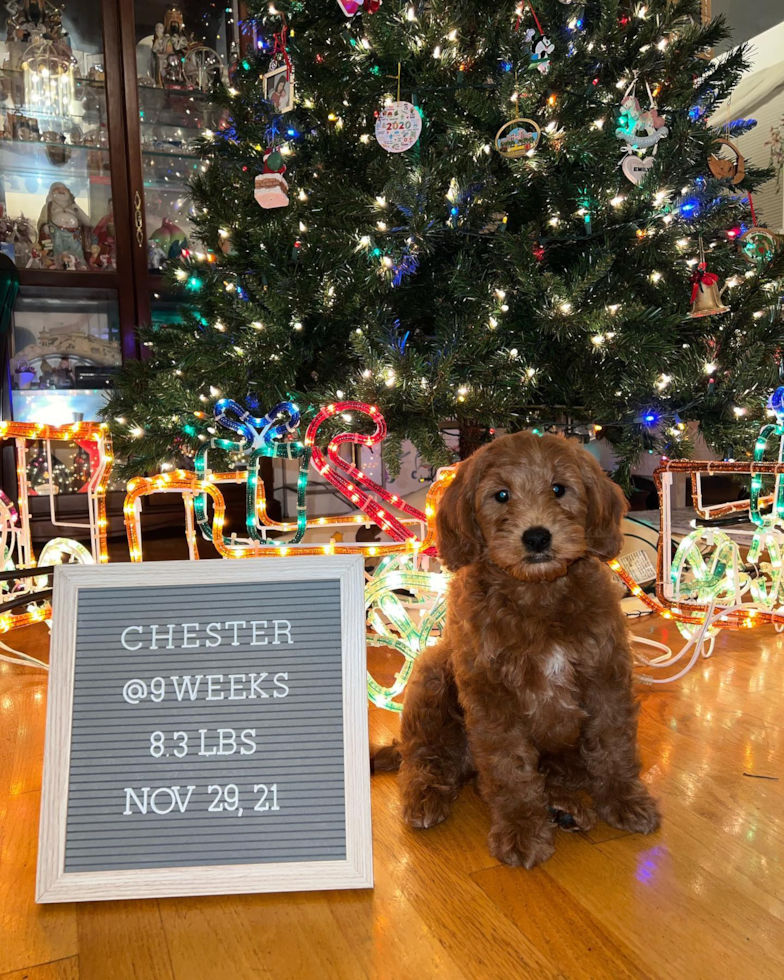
point(282, 102)
point(518, 138)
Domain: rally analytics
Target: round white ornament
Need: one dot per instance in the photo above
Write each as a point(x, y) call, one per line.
point(398, 126)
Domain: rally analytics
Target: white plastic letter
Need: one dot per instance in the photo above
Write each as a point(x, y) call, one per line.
point(128, 630)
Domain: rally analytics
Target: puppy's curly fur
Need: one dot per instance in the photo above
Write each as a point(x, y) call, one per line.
point(531, 684)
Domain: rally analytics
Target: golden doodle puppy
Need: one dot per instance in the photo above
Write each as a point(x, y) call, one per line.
point(531, 684)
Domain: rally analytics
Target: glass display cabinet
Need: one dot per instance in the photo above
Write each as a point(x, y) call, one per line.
point(99, 103)
point(181, 51)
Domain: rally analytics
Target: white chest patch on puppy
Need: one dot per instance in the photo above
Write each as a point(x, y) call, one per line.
point(556, 664)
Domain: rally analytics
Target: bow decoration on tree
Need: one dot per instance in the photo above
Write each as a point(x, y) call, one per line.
point(701, 278)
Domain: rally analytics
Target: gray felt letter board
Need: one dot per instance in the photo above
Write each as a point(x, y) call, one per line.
point(206, 736)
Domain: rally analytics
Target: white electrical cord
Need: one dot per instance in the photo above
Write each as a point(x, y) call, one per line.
point(698, 641)
point(21, 659)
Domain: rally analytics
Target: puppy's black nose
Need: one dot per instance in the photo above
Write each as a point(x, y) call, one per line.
point(537, 538)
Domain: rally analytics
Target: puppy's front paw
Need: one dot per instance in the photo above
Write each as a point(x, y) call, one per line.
point(568, 813)
point(425, 805)
point(638, 813)
point(522, 844)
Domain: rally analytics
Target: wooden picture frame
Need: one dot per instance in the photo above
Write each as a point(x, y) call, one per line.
point(55, 884)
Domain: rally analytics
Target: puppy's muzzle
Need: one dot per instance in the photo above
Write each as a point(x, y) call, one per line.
point(537, 540)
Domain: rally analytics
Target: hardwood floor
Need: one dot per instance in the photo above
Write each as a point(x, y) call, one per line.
point(704, 897)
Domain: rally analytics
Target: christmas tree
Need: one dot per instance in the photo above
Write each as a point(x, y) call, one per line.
point(549, 251)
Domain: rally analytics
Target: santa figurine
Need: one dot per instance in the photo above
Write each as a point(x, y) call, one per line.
point(271, 187)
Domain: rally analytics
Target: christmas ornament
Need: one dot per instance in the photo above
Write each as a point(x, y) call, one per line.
point(705, 292)
point(637, 129)
point(758, 245)
point(351, 7)
point(540, 53)
point(279, 88)
point(271, 188)
point(635, 168)
point(398, 126)
point(724, 169)
point(518, 138)
point(170, 238)
point(540, 50)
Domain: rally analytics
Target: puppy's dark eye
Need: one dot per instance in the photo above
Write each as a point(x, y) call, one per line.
point(503, 496)
point(559, 489)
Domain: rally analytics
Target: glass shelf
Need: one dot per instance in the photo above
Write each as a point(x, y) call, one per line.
point(59, 144)
point(55, 189)
point(180, 56)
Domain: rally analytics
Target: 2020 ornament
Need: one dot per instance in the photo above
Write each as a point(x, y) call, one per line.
point(518, 138)
point(271, 189)
point(398, 126)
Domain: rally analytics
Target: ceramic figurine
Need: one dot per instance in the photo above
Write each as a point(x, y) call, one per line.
point(63, 223)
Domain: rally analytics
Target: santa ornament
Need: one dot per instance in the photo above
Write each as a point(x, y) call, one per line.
point(272, 191)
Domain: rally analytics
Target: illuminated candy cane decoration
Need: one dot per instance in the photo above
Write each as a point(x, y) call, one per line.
point(351, 488)
point(714, 579)
point(766, 538)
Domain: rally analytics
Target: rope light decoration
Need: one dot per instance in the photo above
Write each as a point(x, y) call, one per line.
point(274, 435)
point(705, 587)
point(396, 596)
point(15, 532)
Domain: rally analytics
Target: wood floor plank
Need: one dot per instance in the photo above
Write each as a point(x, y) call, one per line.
point(436, 880)
point(67, 969)
point(31, 934)
point(389, 936)
point(22, 722)
point(678, 919)
point(559, 926)
point(129, 935)
point(277, 936)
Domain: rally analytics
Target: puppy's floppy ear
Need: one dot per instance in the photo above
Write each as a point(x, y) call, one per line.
point(458, 536)
point(606, 509)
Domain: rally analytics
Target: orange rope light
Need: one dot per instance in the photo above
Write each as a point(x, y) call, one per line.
point(96, 432)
